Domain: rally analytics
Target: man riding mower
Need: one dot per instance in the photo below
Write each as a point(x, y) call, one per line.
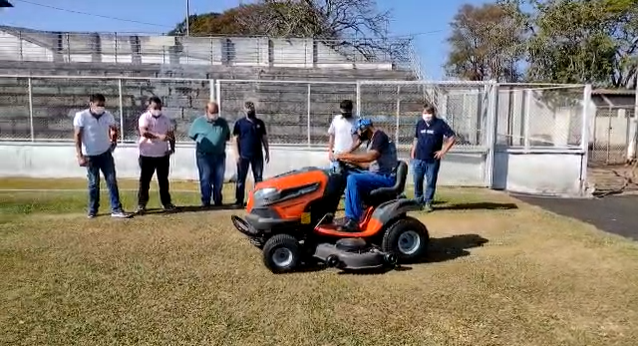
point(290, 216)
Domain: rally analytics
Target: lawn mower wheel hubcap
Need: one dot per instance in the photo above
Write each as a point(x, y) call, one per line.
point(282, 257)
point(409, 242)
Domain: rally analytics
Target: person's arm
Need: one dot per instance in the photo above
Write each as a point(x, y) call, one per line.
point(171, 137)
point(415, 141)
point(450, 139)
point(264, 141)
point(144, 132)
point(331, 138)
point(192, 131)
point(236, 133)
point(378, 142)
point(115, 133)
point(77, 135)
point(356, 143)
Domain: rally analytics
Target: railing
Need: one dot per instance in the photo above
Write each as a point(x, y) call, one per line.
point(41, 108)
point(40, 46)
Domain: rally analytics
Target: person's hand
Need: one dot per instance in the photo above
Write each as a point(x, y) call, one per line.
point(170, 152)
point(82, 161)
point(439, 154)
point(267, 158)
point(162, 138)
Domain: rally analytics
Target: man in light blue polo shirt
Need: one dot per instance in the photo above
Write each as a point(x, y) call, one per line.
point(95, 138)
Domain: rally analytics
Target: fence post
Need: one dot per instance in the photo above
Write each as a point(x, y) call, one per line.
point(491, 135)
point(398, 114)
point(121, 101)
point(212, 86)
point(218, 95)
point(584, 141)
point(358, 98)
point(308, 116)
point(30, 91)
point(526, 117)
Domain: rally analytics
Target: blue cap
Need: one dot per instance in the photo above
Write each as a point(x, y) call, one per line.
point(361, 124)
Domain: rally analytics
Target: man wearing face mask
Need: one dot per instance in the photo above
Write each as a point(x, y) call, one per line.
point(433, 138)
point(341, 139)
point(249, 136)
point(381, 162)
point(156, 145)
point(210, 132)
point(95, 137)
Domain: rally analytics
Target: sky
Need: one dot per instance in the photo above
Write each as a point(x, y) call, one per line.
point(430, 19)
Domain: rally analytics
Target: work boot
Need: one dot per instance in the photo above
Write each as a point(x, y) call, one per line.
point(350, 226)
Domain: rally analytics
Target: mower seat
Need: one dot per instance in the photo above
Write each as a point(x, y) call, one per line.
point(384, 194)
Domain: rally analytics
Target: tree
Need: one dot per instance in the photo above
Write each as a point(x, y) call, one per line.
point(351, 24)
point(580, 41)
point(486, 43)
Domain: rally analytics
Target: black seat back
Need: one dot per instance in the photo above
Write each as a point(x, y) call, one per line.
point(388, 193)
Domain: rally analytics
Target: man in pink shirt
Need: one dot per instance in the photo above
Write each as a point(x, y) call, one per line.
point(156, 144)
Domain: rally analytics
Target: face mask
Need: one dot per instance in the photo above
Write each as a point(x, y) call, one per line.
point(250, 114)
point(98, 110)
point(156, 112)
point(427, 117)
point(213, 116)
point(346, 114)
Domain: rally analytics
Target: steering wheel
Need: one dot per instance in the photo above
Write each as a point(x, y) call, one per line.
point(347, 166)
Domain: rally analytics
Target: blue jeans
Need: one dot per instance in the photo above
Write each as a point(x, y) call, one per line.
point(105, 163)
point(358, 184)
point(211, 177)
point(257, 165)
point(428, 171)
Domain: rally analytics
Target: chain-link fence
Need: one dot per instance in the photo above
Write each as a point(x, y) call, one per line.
point(611, 135)
point(299, 112)
point(532, 116)
point(295, 113)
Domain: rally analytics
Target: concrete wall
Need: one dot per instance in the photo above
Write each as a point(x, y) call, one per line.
point(42, 160)
point(554, 174)
point(31, 45)
point(513, 171)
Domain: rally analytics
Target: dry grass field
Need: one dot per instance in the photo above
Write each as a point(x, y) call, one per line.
point(499, 272)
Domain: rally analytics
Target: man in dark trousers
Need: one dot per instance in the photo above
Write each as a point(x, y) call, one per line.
point(433, 138)
point(210, 133)
point(249, 135)
point(156, 145)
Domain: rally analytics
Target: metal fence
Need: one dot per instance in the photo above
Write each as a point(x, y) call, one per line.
point(18, 44)
point(298, 113)
point(613, 129)
point(541, 116)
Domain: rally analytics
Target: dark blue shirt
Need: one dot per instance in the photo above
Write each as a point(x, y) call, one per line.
point(250, 134)
point(430, 138)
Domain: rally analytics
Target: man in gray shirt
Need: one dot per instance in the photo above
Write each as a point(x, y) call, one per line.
point(381, 161)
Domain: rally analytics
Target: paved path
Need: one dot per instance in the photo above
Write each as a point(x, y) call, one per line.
point(614, 214)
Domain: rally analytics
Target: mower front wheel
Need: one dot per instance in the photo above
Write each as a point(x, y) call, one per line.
point(282, 253)
point(407, 238)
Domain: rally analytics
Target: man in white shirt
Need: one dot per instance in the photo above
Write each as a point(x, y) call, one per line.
point(95, 138)
point(156, 145)
point(342, 140)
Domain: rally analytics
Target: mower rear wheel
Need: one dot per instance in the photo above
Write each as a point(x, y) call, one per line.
point(282, 253)
point(408, 238)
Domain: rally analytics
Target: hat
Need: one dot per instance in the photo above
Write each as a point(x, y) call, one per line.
point(361, 125)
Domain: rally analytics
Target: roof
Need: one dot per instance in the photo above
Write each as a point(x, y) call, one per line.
point(618, 92)
point(5, 3)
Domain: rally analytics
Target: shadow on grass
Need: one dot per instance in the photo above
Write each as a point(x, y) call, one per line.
point(191, 209)
point(439, 250)
point(476, 206)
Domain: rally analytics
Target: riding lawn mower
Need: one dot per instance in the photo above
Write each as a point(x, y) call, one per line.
point(291, 218)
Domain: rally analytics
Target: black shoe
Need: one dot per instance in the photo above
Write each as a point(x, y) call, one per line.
point(350, 226)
